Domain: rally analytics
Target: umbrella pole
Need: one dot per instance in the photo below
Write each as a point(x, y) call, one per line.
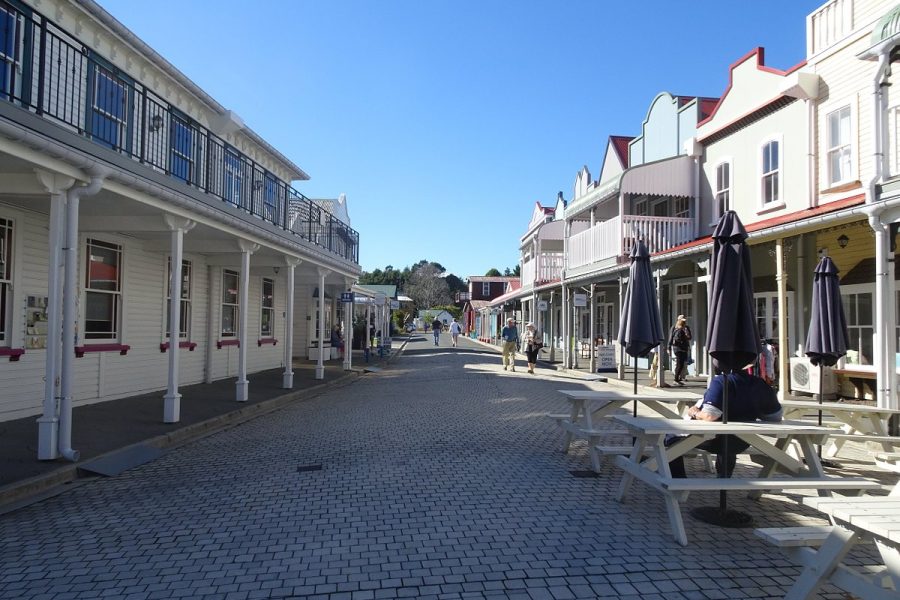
point(634, 410)
point(723, 495)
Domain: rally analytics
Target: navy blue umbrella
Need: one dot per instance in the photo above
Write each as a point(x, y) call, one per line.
point(640, 328)
point(732, 335)
point(828, 339)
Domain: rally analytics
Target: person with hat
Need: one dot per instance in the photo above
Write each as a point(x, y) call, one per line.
point(680, 347)
point(510, 336)
point(531, 343)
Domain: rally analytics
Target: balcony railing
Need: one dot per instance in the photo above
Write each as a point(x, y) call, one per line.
point(606, 240)
point(47, 71)
point(828, 25)
point(546, 267)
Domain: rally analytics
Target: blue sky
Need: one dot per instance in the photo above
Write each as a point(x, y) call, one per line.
point(444, 121)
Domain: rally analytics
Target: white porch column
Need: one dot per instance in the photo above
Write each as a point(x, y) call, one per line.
point(663, 351)
point(287, 379)
point(172, 400)
point(242, 385)
point(621, 369)
point(348, 326)
point(320, 362)
point(565, 327)
point(48, 423)
point(368, 334)
point(592, 364)
point(781, 283)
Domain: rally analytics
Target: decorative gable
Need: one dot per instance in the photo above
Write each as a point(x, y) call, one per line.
point(582, 182)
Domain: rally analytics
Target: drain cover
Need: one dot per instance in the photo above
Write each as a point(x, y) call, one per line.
point(584, 474)
point(303, 468)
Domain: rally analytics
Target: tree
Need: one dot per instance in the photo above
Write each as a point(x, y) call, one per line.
point(492, 273)
point(427, 288)
point(455, 284)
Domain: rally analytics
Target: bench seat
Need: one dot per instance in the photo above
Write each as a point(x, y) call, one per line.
point(860, 437)
point(788, 537)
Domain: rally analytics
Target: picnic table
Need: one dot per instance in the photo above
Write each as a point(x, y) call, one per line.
point(859, 422)
point(588, 408)
point(855, 520)
point(861, 376)
point(649, 460)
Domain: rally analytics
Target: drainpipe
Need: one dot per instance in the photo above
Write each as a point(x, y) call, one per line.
point(810, 152)
point(69, 316)
point(550, 311)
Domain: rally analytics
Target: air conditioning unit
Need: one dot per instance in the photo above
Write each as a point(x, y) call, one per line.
point(805, 378)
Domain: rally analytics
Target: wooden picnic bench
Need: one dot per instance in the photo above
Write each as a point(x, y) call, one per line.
point(650, 457)
point(858, 422)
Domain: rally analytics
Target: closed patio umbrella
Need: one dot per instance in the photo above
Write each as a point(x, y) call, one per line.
point(828, 339)
point(640, 328)
point(732, 335)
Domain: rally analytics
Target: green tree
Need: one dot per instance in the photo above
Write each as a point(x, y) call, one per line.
point(492, 273)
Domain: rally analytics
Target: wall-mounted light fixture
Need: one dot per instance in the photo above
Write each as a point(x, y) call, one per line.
point(156, 123)
point(276, 269)
point(843, 241)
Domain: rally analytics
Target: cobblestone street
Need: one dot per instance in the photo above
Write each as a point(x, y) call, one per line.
point(440, 476)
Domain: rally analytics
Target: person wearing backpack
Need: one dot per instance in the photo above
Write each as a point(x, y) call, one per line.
point(680, 347)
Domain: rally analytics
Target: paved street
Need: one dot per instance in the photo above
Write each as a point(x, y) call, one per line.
point(437, 477)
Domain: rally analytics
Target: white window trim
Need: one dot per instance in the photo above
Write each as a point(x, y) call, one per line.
point(758, 177)
point(81, 339)
point(714, 176)
point(851, 143)
point(862, 288)
point(262, 307)
point(11, 300)
point(189, 300)
point(222, 304)
point(486, 289)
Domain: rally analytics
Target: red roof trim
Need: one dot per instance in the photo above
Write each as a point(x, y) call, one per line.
point(620, 145)
point(780, 220)
point(759, 52)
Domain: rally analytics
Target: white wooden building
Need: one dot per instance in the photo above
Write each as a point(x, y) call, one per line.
point(115, 166)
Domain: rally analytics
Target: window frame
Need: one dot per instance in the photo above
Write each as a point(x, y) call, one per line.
point(486, 289)
point(267, 308)
point(186, 299)
point(12, 76)
point(233, 307)
point(778, 173)
point(856, 330)
point(123, 125)
point(718, 190)
point(185, 153)
point(842, 146)
point(233, 177)
point(117, 304)
point(7, 258)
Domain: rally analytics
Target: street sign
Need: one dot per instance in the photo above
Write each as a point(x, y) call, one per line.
point(579, 300)
point(542, 305)
point(346, 296)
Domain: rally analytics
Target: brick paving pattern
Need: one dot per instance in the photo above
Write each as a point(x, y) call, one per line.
point(441, 477)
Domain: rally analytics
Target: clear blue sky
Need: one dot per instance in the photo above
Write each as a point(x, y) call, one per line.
point(444, 121)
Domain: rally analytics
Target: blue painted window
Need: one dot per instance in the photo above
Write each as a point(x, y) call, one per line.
point(234, 178)
point(9, 42)
point(110, 99)
point(181, 141)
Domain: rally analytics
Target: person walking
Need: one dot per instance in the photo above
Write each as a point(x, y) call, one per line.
point(510, 336)
point(436, 327)
point(531, 342)
point(680, 347)
point(455, 330)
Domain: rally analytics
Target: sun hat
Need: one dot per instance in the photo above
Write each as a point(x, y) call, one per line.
point(529, 324)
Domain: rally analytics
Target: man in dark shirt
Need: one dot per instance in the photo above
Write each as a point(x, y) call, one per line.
point(749, 399)
point(436, 327)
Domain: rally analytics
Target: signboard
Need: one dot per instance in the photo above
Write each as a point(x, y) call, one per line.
point(542, 305)
point(379, 299)
point(579, 300)
point(346, 296)
point(606, 359)
point(395, 304)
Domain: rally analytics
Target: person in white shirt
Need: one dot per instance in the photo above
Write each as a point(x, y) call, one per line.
point(455, 330)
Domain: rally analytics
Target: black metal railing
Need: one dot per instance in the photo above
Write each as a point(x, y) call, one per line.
point(47, 71)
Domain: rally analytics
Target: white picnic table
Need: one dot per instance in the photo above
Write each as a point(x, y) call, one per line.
point(588, 408)
point(856, 520)
point(649, 460)
point(859, 422)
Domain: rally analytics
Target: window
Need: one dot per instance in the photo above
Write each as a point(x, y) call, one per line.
point(6, 230)
point(486, 289)
point(234, 178)
point(230, 302)
point(267, 316)
point(839, 153)
point(723, 188)
point(770, 168)
point(10, 34)
point(859, 310)
point(103, 291)
point(184, 330)
point(181, 140)
point(681, 207)
point(270, 195)
point(109, 108)
point(640, 207)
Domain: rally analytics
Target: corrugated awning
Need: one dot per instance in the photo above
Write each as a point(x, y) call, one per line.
point(668, 177)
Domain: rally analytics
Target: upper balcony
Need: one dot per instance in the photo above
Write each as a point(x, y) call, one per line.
point(544, 268)
point(47, 71)
point(609, 241)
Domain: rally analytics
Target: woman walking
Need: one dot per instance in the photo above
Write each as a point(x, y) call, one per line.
point(680, 346)
point(532, 344)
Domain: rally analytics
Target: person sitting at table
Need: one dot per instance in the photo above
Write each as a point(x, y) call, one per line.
point(750, 399)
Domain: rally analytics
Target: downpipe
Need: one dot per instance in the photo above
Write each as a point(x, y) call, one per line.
point(70, 252)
